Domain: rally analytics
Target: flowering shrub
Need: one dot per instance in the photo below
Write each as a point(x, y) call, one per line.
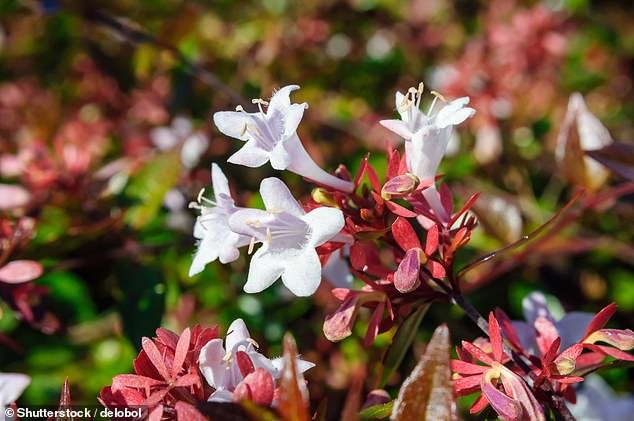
point(385, 216)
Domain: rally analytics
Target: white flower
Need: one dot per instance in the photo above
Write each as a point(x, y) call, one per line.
point(289, 237)
point(582, 131)
point(596, 401)
point(217, 241)
point(220, 367)
point(272, 136)
point(427, 135)
point(194, 144)
point(570, 326)
point(11, 387)
point(337, 270)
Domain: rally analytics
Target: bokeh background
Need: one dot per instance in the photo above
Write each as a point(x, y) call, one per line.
point(105, 129)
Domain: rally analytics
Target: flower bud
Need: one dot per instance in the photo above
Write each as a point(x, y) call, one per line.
point(323, 197)
point(400, 186)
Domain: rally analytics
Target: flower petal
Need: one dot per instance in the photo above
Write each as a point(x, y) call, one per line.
point(236, 334)
point(250, 155)
point(281, 99)
point(398, 127)
point(264, 270)
point(219, 181)
point(280, 158)
point(211, 364)
point(11, 386)
point(277, 196)
point(302, 273)
point(324, 224)
point(454, 113)
point(232, 123)
point(292, 118)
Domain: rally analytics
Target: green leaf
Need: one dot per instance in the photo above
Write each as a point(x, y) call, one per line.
point(141, 301)
point(376, 412)
point(149, 186)
point(427, 393)
point(402, 341)
point(70, 295)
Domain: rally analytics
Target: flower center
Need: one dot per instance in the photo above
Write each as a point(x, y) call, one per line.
point(266, 131)
point(411, 105)
point(282, 231)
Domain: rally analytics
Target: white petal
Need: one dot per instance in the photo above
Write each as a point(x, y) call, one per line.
point(302, 366)
point(426, 150)
point(264, 270)
point(337, 271)
point(280, 158)
point(11, 386)
point(302, 273)
point(281, 100)
point(211, 363)
point(292, 118)
point(397, 126)
point(250, 155)
point(250, 223)
point(221, 395)
point(236, 334)
point(232, 123)
point(260, 361)
point(219, 181)
point(324, 223)
point(207, 252)
point(277, 196)
point(454, 113)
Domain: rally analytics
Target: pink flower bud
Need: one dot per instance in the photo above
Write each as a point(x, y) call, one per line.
point(400, 186)
point(406, 277)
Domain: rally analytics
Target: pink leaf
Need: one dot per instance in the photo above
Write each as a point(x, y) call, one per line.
point(155, 357)
point(431, 242)
point(476, 352)
point(496, 337)
point(13, 196)
point(181, 352)
point(373, 326)
point(405, 235)
point(406, 276)
point(463, 367)
point(600, 319)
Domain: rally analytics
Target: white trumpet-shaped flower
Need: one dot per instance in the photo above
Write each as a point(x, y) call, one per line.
point(272, 136)
point(216, 240)
point(427, 135)
point(11, 387)
point(289, 237)
point(220, 364)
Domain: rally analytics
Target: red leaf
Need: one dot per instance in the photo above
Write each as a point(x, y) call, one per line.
point(446, 198)
point(437, 270)
point(187, 412)
point(244, 363)
point(155, 357)
point(156, 414)
point(479, 404)
point(465, 208)
point(181, 352)
point(394, 163)
point(405, 235)
point(600, 319)
point(187, 380)
point(399, 210)
point(362, 169)
point(466, 385)
point(169, 338)
point(431, 242)
point(496, 337)
point(463, 367)
point(134, 381)
point(374, 179)
point(508, 329)
point(611, 352)
point(476, 352)
point(20, 271)
point(373, 326)
point(261, 387)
